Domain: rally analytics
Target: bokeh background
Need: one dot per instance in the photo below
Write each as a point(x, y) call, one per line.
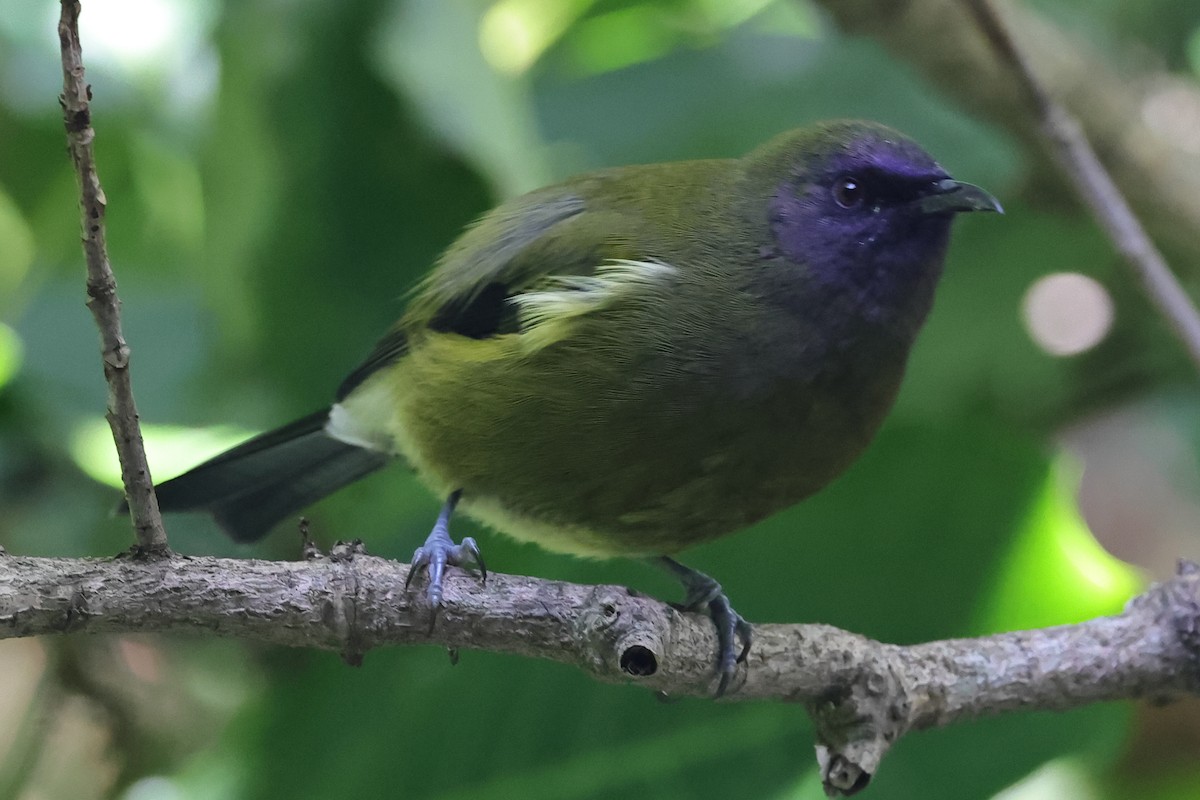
point(280, 172)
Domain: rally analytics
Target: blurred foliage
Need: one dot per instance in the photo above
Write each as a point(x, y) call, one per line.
point(279, 173)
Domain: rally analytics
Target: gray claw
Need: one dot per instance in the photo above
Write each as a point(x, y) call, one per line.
point(705, 594)
point(471, 555)
point(439, 551)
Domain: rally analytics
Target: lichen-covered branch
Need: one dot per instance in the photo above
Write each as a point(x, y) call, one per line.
point(862, 694)
point(102, 291)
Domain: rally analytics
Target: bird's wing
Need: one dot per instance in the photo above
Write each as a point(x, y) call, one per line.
point(527, 267)
point(387, 350)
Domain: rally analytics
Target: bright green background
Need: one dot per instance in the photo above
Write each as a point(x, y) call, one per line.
point(280, 172)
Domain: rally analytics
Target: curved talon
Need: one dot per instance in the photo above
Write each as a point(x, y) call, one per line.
point(746, 632)
point(473, 556)
point(420, 560)
point(705, 594)
point(730, 625)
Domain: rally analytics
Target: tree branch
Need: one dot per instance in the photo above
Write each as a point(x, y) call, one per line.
point(1124, 113)
point(102, 292)
point(1095, 186)
point(863, 695)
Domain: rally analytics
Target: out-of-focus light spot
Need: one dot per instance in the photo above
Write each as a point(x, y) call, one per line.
point(10, 354)
point(155, 787)
point(16, 246)
point(1053, 781)
point(164, 44)
point(1173, 112)
point(1067, 313)
point(789, 19)
point(1056, 572)
point(513, 34)
point(1058, 514)
point(1193, 51)
point(133, 33)
point(730, 13)
point(622, 38)
point(144, 660)
point(170, 449)
point(1094, 565)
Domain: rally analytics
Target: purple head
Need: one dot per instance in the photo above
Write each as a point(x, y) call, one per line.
point(865, 212)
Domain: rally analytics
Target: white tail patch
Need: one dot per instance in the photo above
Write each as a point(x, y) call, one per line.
point(545, 311)
point(361, 419)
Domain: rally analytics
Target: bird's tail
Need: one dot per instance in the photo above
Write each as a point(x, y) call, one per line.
point(255, 485)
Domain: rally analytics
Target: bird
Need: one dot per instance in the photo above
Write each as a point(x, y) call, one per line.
point(635, 360)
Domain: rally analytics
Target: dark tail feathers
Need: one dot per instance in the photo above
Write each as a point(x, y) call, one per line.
point(262, 481)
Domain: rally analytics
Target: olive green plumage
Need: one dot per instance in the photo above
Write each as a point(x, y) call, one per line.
point(635, 360)
point(643, 358)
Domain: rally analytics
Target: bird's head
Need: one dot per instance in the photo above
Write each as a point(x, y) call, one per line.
point(861, 208)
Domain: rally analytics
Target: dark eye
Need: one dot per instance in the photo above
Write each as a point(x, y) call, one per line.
point(849, 192)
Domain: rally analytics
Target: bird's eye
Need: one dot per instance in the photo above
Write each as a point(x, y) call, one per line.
point(849, 192)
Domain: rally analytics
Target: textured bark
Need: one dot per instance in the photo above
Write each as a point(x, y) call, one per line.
point(862, 694)
point(102, 291)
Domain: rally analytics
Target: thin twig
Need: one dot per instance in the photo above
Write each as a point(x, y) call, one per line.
point(1075, 155)
point(862, 694)
point(102, 292)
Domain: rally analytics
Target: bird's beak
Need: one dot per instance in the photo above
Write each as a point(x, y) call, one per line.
point(949, 196)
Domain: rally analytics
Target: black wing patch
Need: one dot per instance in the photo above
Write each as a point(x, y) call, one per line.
point(484, 252)
point(481, 315)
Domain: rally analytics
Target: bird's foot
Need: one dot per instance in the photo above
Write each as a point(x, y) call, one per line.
point(705, 594)
point(439, 551)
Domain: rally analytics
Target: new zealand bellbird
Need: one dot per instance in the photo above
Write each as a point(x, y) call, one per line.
point(635, 360)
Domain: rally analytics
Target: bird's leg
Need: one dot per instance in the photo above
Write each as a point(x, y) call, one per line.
point(439, 550)
point(705, 594)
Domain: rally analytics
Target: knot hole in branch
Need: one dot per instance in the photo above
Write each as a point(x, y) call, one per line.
point(639, 661)
point(621, 638)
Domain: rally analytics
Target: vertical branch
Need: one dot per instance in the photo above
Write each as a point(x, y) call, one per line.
point(102, 292)
point(1092, 181)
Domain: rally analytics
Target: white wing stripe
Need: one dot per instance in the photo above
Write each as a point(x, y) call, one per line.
point(546, 310)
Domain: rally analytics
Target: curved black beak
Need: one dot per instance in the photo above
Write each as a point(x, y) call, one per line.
point(949, 196)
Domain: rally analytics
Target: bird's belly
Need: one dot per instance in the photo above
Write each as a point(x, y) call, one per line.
point(654, 489)
point(595, 469)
